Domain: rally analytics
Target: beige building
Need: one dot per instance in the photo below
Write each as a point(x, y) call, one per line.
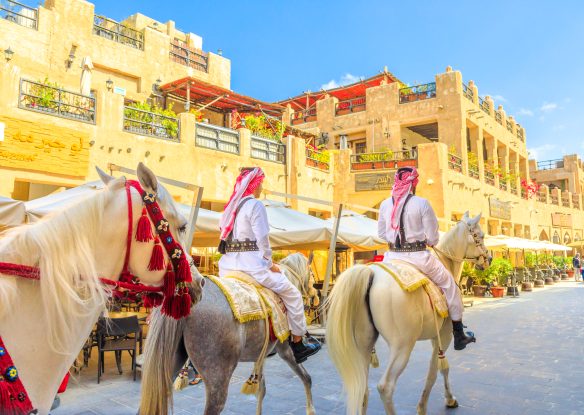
point(73, 96)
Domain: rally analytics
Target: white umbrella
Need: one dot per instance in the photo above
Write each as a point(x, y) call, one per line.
point(11, 212)
point(358, 231)
point(87, 67)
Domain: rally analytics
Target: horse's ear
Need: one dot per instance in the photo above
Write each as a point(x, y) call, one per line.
point(476, 219)
point(465, 217)
point(147, 178)
point(105, 178)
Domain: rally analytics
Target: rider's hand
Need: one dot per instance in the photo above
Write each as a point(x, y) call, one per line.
point(275, 268)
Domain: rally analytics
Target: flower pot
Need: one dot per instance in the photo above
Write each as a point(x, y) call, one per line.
point(556, 278)
point(513, 291)
point(479, 290)
point(361, 166)
point(549, 281)
point(498, 291)
point(538, 283)
point(526, 286)
point(570, 272)
point(378, 165)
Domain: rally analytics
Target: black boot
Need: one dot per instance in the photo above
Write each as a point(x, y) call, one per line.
point(304, 348)
point(461, 339)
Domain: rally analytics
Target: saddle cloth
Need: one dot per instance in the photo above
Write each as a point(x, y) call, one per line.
point(411, 278)
point(245, 295)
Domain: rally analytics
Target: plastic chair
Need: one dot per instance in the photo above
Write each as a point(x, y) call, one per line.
point(117, 335)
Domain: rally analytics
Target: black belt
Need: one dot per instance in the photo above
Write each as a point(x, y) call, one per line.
point(408, 247)
point(235, 245)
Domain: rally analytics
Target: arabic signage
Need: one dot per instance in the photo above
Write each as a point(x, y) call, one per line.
point(41, 147)
point(499, 209)
point(562, 219)
point(374, 181)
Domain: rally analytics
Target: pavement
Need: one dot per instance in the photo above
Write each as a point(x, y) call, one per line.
point(527, 360)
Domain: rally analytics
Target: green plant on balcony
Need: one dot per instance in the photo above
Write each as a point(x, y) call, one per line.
point(383, 155)
point(473, 161)
point(43, 94)
point(144, 115)
point(198, 115)
point(260, 125)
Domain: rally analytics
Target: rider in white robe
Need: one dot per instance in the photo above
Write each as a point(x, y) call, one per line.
point(420, 228)
point(251, 224)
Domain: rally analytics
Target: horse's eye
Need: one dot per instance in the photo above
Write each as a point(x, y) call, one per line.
point(183, 228)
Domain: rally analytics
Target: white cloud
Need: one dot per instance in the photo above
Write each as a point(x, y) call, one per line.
point(535, 152)
point(498, 98)
point(526, 112)
point(344, 80)
point(559, 127)
point(548, 106)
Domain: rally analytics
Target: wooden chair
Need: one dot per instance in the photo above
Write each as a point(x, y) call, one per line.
point(116, 335)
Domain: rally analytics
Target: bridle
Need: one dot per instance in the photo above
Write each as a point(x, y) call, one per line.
point(484, 255)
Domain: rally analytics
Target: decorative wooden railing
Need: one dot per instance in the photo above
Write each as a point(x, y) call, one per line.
point(554, 200)
point(576, 201)
point(304, 116)
point(118, 32)
point(502, 185)
point(499, 117)
point(265, 149)
point(181, 53)
point(454, 162)
point(509, 126)
point(473, 171)
point(217, 138)
point(138, 121)
point(550, 164)
point(385, 160)
point(467, 92)
point(417, 93)
point(351, 105)
point(565, 201)
point(542, 197)
point(39, 97)
point(485, 106)
point(19, 13)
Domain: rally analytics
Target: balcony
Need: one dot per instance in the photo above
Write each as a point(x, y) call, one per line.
point(485, 106)
point(217, 138)
point(454, 162)
point(317, 159)
point(513, 187)
point(473, 172)
point(550, 164)
point(118, 32)
point(554, 199)
point(417, 93)
point(509, 126)
point(541, 197)
point(268, 150)
point(301, 117)
point(489, 177)
point(503, 185)
point(19, 13)
point(138, 121)
point(565, 201)
point(576, 201)
point(386, 160)
point(467, 92)
point(48, 98)
point(181, 53)
point(520, 134)
point(499, 117)
point(350, 106)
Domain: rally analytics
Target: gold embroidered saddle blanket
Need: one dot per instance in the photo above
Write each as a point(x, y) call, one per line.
point(251, 301)
point(411, 278)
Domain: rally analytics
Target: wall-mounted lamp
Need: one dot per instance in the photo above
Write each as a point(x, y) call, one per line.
point(220, 52)
point(128, 150)
point(223, 167)
point(109, 84)
point(8, 54)
point(430, 182)
point(161, 158)
point(147, 153)
point(157, 84)
point(70, 59)
point(92, 142)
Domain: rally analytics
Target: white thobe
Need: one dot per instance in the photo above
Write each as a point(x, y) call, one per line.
point(252, 223)
point(421, 224)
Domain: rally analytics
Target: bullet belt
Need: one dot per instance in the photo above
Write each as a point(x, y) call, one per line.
point(241, 246)
point(408, 247)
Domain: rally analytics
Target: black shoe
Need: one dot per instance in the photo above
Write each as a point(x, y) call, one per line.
point(461, 339)
point(304, 349)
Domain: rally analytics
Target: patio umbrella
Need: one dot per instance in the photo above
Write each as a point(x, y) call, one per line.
point(87, 67)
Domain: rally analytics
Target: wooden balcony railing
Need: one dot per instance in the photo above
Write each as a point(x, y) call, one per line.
point(489, 177)
point(181, 53)
point(417, 93)
point(520, 134)
point(301, 117)
point(485, 106)
point(318, 159)
point(149, 123)
point(454, 162)
point(509, 126)
point(473, 171)
point(351, 105)
point(499, 117)
point(19, 13)
point(48, 99)
point(217, 138)
point(542, 197)
point(467, 92)
point(565, 201)
point(550, 164)
point(576, 201)
point(386, 160)
point(502, 185)
point(554, 200)
point(513, 187)
point(264, 149)
point(118, 32)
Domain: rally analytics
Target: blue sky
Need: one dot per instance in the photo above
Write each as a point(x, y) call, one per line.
point(528, 55)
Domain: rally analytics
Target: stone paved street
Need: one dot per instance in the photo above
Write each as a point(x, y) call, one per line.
point(528, 360)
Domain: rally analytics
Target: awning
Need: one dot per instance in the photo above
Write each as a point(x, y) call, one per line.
point(515, 244)
point(12, 212)
point(358, 232)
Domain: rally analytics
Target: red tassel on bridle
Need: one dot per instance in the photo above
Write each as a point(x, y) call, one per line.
point(144, 229)
point(157, 258)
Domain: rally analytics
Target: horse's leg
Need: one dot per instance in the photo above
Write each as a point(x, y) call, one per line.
point(446, 338)
point(285, 352)
point(398, 359)
point(430, 379)
point(260, 396)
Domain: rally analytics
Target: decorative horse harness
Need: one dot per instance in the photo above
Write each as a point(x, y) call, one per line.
point(174, 295)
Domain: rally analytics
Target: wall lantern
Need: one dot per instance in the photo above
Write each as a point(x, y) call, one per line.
point(109, 84)
point(70, 59)
point(8, 54)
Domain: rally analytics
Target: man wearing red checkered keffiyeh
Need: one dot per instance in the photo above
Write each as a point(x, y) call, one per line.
point(246, 246)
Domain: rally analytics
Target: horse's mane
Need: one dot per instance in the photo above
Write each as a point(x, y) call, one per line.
point(61, 245)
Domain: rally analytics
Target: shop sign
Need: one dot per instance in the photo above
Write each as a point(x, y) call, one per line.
point(374, 181)
point(562, 219)
point(499, 209)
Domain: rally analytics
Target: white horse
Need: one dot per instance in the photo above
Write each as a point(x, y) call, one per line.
point(366, 301)
point(44, 323)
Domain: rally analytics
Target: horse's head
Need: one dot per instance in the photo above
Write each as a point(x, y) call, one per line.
point(299, 272)
point(141, 252)
point(476, 252)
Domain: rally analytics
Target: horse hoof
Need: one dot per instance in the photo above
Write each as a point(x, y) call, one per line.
point(451, 404)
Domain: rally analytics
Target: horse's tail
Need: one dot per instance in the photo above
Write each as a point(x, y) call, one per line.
point(164, 337)
point(348, 318)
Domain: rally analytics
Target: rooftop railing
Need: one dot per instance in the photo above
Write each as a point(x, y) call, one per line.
point(520, 134)
point(351, 105)
point(269, 150)
point(454, 162)
point(467, 92)
point(384, 160)
point(118, 32)
point(473, 171)
point(489, 177)
point(19, 13)
point(217, 138)
point(318, 159)
point(304, 116)
point(485, 106)
point(142, 122)
point(417, 93)
point(52, 100)
point(550, 164)
point(181, 53)
point(499, 117)
point(509, 126)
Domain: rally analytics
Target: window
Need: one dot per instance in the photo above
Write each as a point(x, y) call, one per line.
point(361, 147)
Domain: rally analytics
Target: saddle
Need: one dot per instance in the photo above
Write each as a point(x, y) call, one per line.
point(410, 279)
point(250, 301)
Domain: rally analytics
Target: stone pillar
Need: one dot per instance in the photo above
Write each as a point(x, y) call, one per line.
point(187, 128)
point(517, 173)
point(567, 194)
point(475, 91)
point(479, 153)
point(341, 169)
point(287, 115)
point(244, 143)
point(325, 113)
point(297, 164)
point(491, 105)
point(545, 190)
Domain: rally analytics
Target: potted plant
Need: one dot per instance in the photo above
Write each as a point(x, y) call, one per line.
point(483, 279)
